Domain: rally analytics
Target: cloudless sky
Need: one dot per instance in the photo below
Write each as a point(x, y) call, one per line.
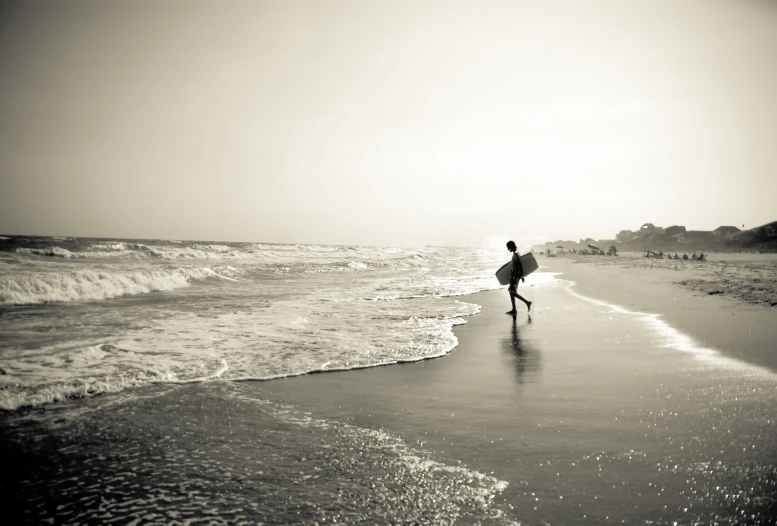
point(385, 122)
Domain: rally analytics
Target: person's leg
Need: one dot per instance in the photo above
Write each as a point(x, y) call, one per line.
point(527, 302)
point(512, 301)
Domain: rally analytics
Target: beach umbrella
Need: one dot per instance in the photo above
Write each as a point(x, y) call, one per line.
point(560, 246)
point(593, 246)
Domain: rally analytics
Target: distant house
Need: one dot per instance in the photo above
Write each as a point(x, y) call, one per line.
point(649, 227)
point(767, 232)
point(674, 230)
point(698, 235)
point(725, 231)
point(762, 237)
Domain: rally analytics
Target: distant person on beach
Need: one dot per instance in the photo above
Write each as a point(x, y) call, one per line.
point(515, 275)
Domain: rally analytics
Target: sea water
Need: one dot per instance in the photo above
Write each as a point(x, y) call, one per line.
point(141, 319)
point(85, 316)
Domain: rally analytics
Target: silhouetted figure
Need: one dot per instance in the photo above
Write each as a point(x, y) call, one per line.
point(685, 256)
point(515, 275)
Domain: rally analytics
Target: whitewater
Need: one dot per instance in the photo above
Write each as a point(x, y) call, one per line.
point(85, 316)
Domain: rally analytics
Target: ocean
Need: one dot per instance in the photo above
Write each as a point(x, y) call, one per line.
point(88, 316)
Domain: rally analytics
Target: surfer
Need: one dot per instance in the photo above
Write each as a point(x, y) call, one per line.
point(515, 275)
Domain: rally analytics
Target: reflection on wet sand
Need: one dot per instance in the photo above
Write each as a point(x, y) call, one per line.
point(528, 360)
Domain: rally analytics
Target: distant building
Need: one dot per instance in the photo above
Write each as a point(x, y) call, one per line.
point(765, 233)
point(761, 237)
point(698, 235)
point(674, 230)
point(725, 231)
point(649, 227)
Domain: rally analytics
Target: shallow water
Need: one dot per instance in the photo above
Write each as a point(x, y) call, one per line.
point(211, 453)
point(80, 317)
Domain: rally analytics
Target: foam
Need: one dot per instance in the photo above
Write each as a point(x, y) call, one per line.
point(213, 248)
point(77, 369)
point(472, 489)
point(13, 399)
point(101, 251)
point(50, 251)
point(120, 246)
point(196, 253)
point(109, 247)
point(328, 368)
point(92, 284)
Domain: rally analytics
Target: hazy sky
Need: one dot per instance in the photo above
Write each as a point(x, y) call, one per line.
point(385, 122)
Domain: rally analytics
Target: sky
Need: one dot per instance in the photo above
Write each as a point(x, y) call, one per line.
point(385, 122)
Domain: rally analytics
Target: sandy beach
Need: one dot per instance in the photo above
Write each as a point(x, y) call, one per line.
point(728, 302)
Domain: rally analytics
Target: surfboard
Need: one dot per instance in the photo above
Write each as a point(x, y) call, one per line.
point(528, 263)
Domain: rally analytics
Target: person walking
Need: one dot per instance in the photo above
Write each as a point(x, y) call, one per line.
point(515, 275)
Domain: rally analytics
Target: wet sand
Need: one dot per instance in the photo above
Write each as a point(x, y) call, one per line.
point(728, 302)
point(589, 413)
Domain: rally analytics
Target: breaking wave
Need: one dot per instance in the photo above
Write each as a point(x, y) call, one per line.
point(198, 252)
point(92, 370)
point(49, 251)
point(90, 284)
point(101, 251)
point(118, 247)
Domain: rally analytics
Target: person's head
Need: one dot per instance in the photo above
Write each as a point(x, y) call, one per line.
point(511, 246)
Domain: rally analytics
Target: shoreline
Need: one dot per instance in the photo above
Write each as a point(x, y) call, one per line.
point(725, 322)
point(570, 405)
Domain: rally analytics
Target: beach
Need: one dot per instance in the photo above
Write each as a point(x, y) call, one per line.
point(591, 414)
point(728, 302)
point(622, 398)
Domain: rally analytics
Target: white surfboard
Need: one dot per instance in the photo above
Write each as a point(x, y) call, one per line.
point(528, 263)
